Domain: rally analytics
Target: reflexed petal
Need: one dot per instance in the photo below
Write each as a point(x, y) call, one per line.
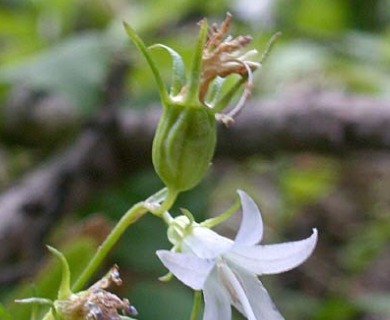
point(258, 297)
point(206, 243)
point(216, 299)
point(188, 268)
point(274, 258)
point(251, 228)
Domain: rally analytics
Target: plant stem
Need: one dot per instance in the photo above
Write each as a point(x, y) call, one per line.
point(197, 305)
point(167, 204)
point(132, 215)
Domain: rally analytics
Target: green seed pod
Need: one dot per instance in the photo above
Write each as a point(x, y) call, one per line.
point(184, 145)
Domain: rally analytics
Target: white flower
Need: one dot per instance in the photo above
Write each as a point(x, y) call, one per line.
point(226, 270)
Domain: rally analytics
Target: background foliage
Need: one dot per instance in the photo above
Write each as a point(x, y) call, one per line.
point(64, 48)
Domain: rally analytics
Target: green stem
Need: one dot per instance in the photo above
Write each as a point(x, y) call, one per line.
point(197, 305)
point(167, 204)
point(132, 215)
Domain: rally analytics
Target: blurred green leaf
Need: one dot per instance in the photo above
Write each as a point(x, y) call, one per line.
point(18, 34)
point(321, 17)
point(306, 180)
point(156, 300)
point(361, 250)
point(294, 59)
point(4, 315)
point(297, 305)
point(137, 248)
point(75, 69)
point(336, 308)
point(377, 303)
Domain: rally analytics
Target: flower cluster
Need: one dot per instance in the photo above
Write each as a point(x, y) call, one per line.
point(226, 270)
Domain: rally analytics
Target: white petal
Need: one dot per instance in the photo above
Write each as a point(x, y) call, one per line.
point(251, 228)
point(258, 297)
point(206, 243)
point(237, 293)
point(188, 268)
point(216, 299)
point(274, 258)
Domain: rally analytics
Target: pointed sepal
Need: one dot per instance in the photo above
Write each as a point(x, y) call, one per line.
point(145, 52)
point(64, 291)
point(178, 69)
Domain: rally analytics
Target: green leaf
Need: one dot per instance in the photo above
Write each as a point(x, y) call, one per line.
point(4, 315)
point(74, 69)
point(178, 69)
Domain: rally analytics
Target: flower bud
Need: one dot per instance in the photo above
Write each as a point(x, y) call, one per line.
point(177, 229)
point(184, 145)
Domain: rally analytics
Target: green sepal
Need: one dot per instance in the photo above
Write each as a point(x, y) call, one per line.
point(178, 69)
point(212, 222)
point(166, 277)
point(214, 93)
point(196, 69)
point(188, 214)
point(144, 50)
point(64, 291)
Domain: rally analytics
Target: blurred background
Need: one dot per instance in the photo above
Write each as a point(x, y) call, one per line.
point(79, 108)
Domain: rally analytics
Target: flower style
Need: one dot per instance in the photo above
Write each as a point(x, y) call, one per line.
point(226, 270)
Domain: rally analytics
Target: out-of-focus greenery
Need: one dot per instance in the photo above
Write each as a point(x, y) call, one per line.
point(65, 47)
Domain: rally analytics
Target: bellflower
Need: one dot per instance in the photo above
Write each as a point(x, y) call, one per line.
point(226, 270)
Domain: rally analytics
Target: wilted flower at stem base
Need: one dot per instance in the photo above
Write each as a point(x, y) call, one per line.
point(95, 303)
point(226, 270)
